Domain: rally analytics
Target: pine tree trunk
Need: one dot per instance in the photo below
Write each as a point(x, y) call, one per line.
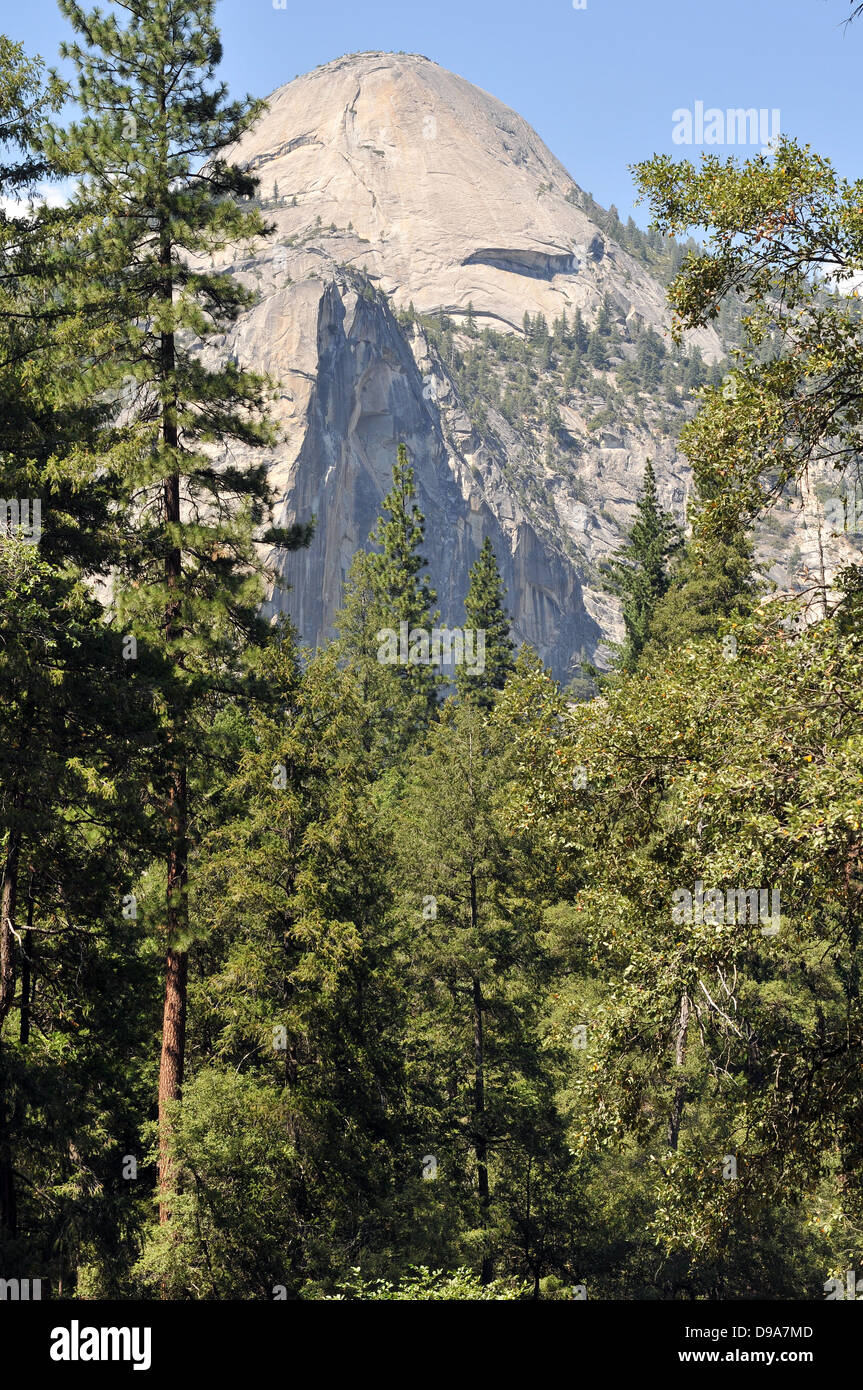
point(176, 974)
point(480, 1146)
point(176, 959)
point(8, 910)
point(8, 1209)
point(8, 904)
point(171, 1066)
point(27, 967)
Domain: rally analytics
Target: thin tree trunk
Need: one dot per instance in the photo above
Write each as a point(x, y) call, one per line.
point(821, 572)
point(176, 959)
point(8, 910)
point(480, 1146)
point(9, 886)
point(27, 968)
point(8, 1202)
point(677, 1104)
point(171, 1066)
point(8, 905)
point(12, 1121)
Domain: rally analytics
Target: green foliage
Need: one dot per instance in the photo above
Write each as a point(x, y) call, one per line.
point(77, 729)
point(484, 612)
point(430, 1284)
point(477, 969)
point(447, 1033)
point(293, 1019)
point(232, 1233)
point(705, 769)
point(387, 597)
point(640, 571)
point(794, 396)
point(401, 594)
point(711, 588)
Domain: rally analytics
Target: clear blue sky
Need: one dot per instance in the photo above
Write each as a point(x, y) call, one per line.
point(599, 84)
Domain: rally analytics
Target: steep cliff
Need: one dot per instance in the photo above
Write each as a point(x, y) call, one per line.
point(417, 221)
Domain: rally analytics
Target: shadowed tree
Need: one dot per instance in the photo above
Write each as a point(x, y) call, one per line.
point(154, 201)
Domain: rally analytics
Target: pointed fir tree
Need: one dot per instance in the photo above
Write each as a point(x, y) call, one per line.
point(711, 587)
point(477, 963)
point(297, 992)
point(387, 617)
point(404, 594)
point(603, 318)
point(485, 612)
point(640, 570)
point(597, 353)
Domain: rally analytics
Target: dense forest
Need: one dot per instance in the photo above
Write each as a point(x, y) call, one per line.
point(351, 975)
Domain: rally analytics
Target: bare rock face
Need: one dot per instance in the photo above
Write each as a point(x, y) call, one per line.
point(451, 196)
point(393, 183)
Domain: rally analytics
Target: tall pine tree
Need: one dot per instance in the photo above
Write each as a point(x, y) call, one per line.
point(640, 569)
point(485, 612)
point(71, 728)
point(387, 598)
point(154, 202)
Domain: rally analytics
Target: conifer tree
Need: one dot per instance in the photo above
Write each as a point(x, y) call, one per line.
point(397, 566)
point(711, 585)
point(477, 966)
point(69, 720)
point(603, 318)
point(579, 332)
point(154, 201)
point(484, 612)
point(597, 354)
point(385, 626)
point(640, 570)
point(294, 1018)
point(76, 737)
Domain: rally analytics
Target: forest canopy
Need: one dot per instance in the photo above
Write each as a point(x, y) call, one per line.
point(328, 975)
